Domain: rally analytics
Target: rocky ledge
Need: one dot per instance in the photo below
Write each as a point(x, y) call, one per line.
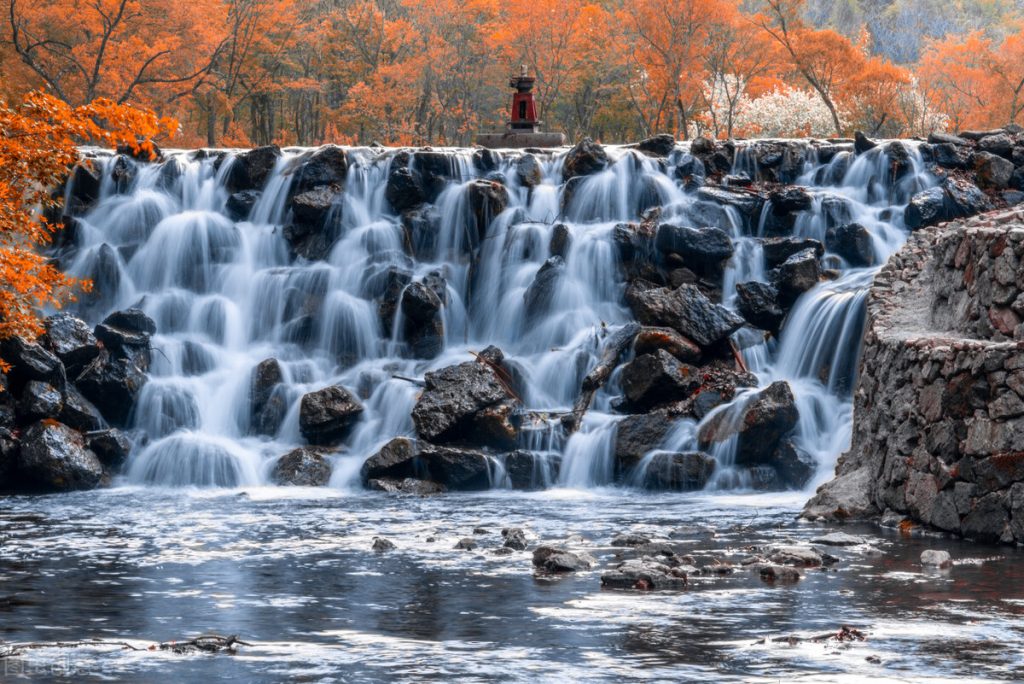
point(939, 405)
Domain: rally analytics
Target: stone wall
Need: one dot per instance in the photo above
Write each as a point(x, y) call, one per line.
point(938, 411)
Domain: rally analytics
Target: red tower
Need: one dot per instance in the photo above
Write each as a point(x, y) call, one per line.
point(524, 108)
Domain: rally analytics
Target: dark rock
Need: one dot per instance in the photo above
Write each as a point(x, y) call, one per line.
point(650, 340)
point(466, 544)
point(53, 457)
point(678, 472)
point(112, 447)
point(690, 171)
point(630, 540)
point(794, 467)
point(938, 138)
point(561, 240)
point(486, 160)
point(240, 204)
point(123, 172)
point(796, 275)
point(71, 339)
point(777, 250)
point(657, 146)
point(78, 412)
point(853, 243)
point(382, 545)
point(702, 249)
point(861, 143)
point(999, 144)
point(560, 559)
point(702, 145)
point(527, 470)
point(267, 406)
point(310, 210)
point(39, 400)
point(684, 309)
point(985, 521)
point(250, 170)
point(486, 200)
point(759, 424)
point(131, 320)
point(747, 204)
point(434, 170)
point(656, 379)
point(586, 158)
point(395, 282)
point(302, 467)
point(455, 469)
point(30, 361)
point(790, 199)
point(540, 294)
point(529, 171)
point(85, 188)
point(420, 303)
point(125, 344)
point(326, 416)
point(644, 574)
point(992, 171)
point(403, 191)
point(950, 156)
point(952, 199)
point(759, 304)
point(515, 539)
point(422, 226)
point(409, 485)
point(326, 166)
point(637, 435)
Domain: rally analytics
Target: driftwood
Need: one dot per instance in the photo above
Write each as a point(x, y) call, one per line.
point(617, 343)
point(205, 643)
point(414, 381)
point(843, 635)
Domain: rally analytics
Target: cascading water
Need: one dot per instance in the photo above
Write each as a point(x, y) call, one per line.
point(227, 295)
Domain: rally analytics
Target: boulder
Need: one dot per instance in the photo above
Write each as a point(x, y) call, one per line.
point(239, 205)
point(861, 143)
point(403, 191)
point(529, 171)
point(111, 446)
point(486, 200)
point(39, 400)
point(796, 275)
point(561, 240)
point(267, 403)
point(30, 361)
point(747, 204)
point(682, 472)
point(382, 545)
point(759, 304)
point(302, 467)
point(952, 199)
point(452, 468)
point(539, 296)
point(790, 199)
point(702, 249)
point(72, 340)
point(650, 339)
point(992, 171)
point(777, 250)
point(251, 170)
point(527, 470)
point(395, 281)
point(112, 385)
point(690, 171)
point(53, 458)
point(637, 435)
point(853, 243)
point(998, 143)
point(327, 415)
point(656, 379)
point(84, 188)
point(78, 412)
point(657, 146)
point(486, 160)
point(407, 485)
point(794, 467)
point(467, 403)
point(514, 538)
point(644, 574)
point(326, 166)
point(310, 210)
point(560, 559)
point(759, 423)
point(586, 158)
point(952, 156)
point(684, 309)
point(420, 302)
point(421, 306)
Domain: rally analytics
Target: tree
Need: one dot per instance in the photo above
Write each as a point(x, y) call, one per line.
point(38, 147)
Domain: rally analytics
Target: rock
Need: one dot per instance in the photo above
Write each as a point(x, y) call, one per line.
point(586, 158)
point(111, 446)
point(466, 403)
point(796, 275)
point(240, 204)
point(540, 295)
point(630, 540)
point(78, 412)
point(680, 472)
point(515, 539)
point(936, 559)
point(486, 200)
point(112, 385)
point(659, 378)
point(302, 467)
point(644, 575)
point(999, 144)
point(789, 200)
point(703, 249)
point(267, 406)
point(382, 545)
point(846, 497)
point(455, 469)
point(778, 573)
point(861, 143)
point(403, 191)
point(759, 424)
point(657, 146)
point(649, 340)
point(690, 171)
point(684, 309)
point(486, 160)
point(952, 199)
point(992, 171)
point(838, 539)
point(310, 210)
point(251, 170)
point(777, 250)
point(561, 559)
point(747, 204)
point(561, 241)
point(420, 303)
point(407, 485)
point(952, 156)
point(636, 435)
point(30, 361)
point(131, 320)
point(84, 188)
point(326, 166)
point(395, 281)
point(938, 137)
point(529, 171)
point(466, 544)
point(71, 339)
point(759, 304)
point(326, 416)
point(53, 458)
point(39, 400)
point(794, 467)
point(527, 470)
point(853, 243)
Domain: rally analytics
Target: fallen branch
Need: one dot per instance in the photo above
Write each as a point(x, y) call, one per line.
point(414, 381)
point(503, 376)
point(617, 344)
point(207, 643)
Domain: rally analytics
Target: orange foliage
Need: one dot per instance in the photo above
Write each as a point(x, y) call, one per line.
point(38, 145)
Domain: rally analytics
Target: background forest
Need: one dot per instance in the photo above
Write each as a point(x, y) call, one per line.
point(252, 72)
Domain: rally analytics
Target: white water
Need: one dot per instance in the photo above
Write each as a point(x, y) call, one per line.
point(226, 296)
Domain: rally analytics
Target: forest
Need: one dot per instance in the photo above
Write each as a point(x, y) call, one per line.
point(253, 72)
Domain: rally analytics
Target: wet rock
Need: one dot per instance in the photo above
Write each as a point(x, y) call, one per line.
point(657, 146)
point(486, 200)
point(778, 250)
point(987, 519)
point(85, 188)
point(719, 386)
point(952, 199)
point(644, 575)
point(796, 275)
point(759, 304)
point(251, 170)
point(852, 242)
point(690, 171)
point(126, 335)
point(395, 280)
point(630, 540)
point(310, 210)
point(527, 470)
point(267, 406)
point(747, 204)
point(53, 457)
point(778, 573)
point(239, 205)
point(992, 171)
point(409, 485)
point(326, 166)
point(649, 340)
point(467, 403)
point(466, 544)
point(39, 400)
point(636, 435)
point(561, 241)
point(78, 412)
point(515, 539)
point(794, 467)
point(861, 143)
point(796, 556)
point(112, 385)
point(936, 559)
point(759, 425)
point(71, 339)
point(998, 143)
point(703, 249)
point(111, 446)
point(586, 158)
point(790, 199)
point(539, 296)
point(838, 539)
point(420, 302)
point(131, 320)
point(952, 156)
point(561, 559)
point(679, 472)
point(455, 469)
point(382, 545)
point(302, 467)
point(30, 361)
point(659, 378)
point(939, 137)
point(486, 160)
point(529, 170)
point(326, 416)
point(684, 309)
point(846, 497)
point(403, 191)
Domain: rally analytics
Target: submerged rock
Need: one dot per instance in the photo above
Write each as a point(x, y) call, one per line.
point(645, 575)
point(561, 559)
point(302, 467)
point(406, 485)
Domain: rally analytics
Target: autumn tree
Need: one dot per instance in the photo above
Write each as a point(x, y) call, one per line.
point(38, 147)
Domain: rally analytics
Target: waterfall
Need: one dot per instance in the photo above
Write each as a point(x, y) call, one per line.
point(228, 294)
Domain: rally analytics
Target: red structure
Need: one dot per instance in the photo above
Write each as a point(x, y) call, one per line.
point(524, 108)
